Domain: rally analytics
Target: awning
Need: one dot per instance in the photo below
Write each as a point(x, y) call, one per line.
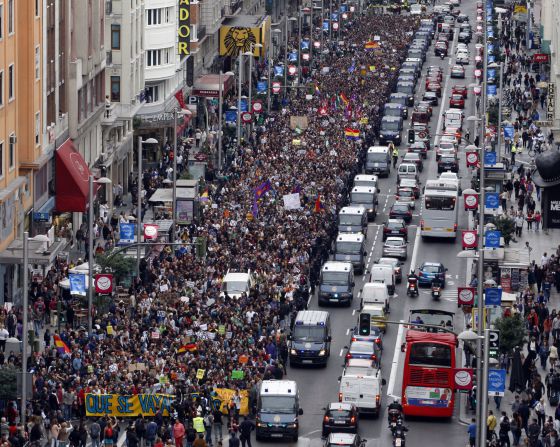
point(208, 86)
point(166, 195)
point(37, 254)
point(72, 177)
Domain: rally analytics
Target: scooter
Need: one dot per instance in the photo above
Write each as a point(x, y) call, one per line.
point(436, 291)
point(412, 287)
point(393, 417)
point(442, 56)
point(398, 433)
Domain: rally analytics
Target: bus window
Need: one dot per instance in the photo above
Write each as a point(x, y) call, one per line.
point(430, 354)
point(440, 203)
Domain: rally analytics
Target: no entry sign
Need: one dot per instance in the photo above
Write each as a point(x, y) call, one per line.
point(471, 201)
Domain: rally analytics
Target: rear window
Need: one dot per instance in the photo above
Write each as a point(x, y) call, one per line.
point(339, 413)
point(430, 354)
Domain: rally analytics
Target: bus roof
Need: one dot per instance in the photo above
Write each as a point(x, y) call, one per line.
point(413, 336)
point(441, 192)
point(442, 184)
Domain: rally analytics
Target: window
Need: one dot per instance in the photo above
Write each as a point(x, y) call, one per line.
point(10, 16)
point(11, 80)
point(115, 88)
point(37, 62)
point(153, 16)
point(2, 159)
point(36, 8)
point(1, 88)
point(153, 58)
point(1, 21)
point(115, 37)
point(37, 127)
point(12, 151)
point(152, 93)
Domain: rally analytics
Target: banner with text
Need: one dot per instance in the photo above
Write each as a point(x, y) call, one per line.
point(120, 406)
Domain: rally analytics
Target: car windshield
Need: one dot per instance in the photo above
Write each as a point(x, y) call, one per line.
point(278, 404)
point(394, 225)
point(392, 111)
point(430, 268)
point(376, 157)
point(348, 247)
point(390, 125)
point(339, 414)
point(405, 193)
point(388, 261)
point(394, 242)
point(308, 333)
point(362, 197)
point(350, 219)
point(457, 97)
point(412, 157)
point(335, 278)
point(407, 88)
point(235, 286)
point(432, 354)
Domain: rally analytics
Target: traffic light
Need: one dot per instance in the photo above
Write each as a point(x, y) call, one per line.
point(365, 322)
point(411, 136)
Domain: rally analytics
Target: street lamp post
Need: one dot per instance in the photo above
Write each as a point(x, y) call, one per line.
point(91, 237)
point(291, 19)
point(299, 50)
point(220, 111)
point(330, 21)
point(240, 74)
point(498, 151)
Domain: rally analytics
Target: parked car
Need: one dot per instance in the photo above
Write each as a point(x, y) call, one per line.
point(395, 247)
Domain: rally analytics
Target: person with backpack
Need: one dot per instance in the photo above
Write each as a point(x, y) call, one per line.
point(233, 440)
point(95, 433)
point(503, 433)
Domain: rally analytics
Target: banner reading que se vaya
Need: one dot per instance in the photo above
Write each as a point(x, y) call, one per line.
point(117, 405)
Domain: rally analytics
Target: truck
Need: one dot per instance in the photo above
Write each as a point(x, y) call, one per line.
point(362, 386)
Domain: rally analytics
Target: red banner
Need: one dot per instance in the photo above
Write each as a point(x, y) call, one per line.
point(180, 99)
point(463, 378)
point(469, 239)
point(540, 58)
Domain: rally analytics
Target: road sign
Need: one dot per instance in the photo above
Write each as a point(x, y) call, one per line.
point(490, 158)
point(494, 344)
point(496, 382)
point(104, 283)
point(246, 117)
point(472, 159)
point(492, 239)
point(463, 378)
point(492, 200)
point(422, 134)
point(492, 296)
point(276, 87)
point(150, 231)
point(257, 107)
point(469, 239)
point(465, 296)
point(471, 201)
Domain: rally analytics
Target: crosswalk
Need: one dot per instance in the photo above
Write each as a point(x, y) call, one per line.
point(447, 294)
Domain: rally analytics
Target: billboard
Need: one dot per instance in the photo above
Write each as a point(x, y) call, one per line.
point(184, 29)
point(552, 206)
point(241, 39)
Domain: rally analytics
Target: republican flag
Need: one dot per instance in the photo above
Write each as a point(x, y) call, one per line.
point(60, 345)
point(189, 347)
point(351, 134)
point(371, 45)
point(318, 204)
point(180, 99)
point(262, 189)
point(344, 99)
point(204, 197)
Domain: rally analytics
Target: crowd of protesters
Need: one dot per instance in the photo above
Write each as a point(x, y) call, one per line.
point(175, 303)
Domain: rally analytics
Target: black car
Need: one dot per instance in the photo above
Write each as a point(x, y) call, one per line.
point(395, 227)
point(401, 211)
point(375, 334)
point(447, 163)
point(430, 97)
point(340, 417)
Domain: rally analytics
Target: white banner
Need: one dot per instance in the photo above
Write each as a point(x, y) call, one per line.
point(292, 201)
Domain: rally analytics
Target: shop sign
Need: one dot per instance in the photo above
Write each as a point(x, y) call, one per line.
point(184, 30)
point(551, 101)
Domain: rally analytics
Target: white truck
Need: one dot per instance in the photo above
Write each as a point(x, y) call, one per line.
point(361, 385)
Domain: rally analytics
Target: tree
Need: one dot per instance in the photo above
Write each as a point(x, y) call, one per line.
point(119, 265)
point(506, 226)
point(512, 332)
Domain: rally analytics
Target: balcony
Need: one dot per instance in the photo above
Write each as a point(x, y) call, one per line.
point(109, 116)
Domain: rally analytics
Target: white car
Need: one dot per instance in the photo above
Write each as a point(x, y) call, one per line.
point(416, 9)
point(462, 46)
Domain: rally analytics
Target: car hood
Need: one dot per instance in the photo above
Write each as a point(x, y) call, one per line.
point(277, 418)
point(330, 288)
point(307, 345)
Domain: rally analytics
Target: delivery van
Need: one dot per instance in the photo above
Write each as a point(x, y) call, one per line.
point(383, 274)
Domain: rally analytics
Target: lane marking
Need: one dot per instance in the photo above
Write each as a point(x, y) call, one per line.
point(415, 249)
point(348, 331)
point(341, 351)
point(353, 312)
point(395, 364)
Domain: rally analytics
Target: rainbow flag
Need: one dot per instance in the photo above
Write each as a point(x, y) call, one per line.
point(318, 204)
point(344, 98)
point(370, 45)
point(60, 345)
point(190, 347)
point(351, 134)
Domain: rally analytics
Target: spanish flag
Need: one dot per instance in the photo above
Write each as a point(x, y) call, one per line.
point(371, 45)
point(318, 204)
point(190, 347)
point(351, 134)
point(60, 345)
point(344, 98)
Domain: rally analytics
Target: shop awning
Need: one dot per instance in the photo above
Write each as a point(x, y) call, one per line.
point(208, 86)
point(72, 177)
point(166, 195)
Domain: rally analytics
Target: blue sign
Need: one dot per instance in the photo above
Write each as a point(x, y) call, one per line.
point(496, 382)
point(231, 116)
point(508, 132)
point(77, 284)
point(343, 8)
point(493, 296)
point(292, 56)
point(261, 87)
point(41, 217)
point(127, 235)
point(490, 33)
point(305, 44)
point(244, 105)
point(492, 200)
point(278, 71)
point(492, 239)
point(491, 59)
point(490, 48)
point(325, 25)
point(490, 158)
point(491, 73)
point(334, 16)
point(491, 90)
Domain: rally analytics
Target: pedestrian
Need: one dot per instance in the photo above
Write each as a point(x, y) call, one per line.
point(519, 224)
point(234, 440)
point(199, 441)
point(491, 424)
point(471, 430)
point(540, 412)
point(95, 433)
point(178, 433)
point(515, 427)
point(538, 218)
point(245, 429)
point(504, 430)
point(218, 426)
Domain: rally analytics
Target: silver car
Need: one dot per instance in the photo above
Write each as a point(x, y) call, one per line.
point(395, 247)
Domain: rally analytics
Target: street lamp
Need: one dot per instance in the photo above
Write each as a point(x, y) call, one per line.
point(176, 114)
point(291, 19)
point(24, 333)
point(269, 74)
point(139, 198)
point(220, 112)
point(99, 181)
point(239, 86)
point(501, 67)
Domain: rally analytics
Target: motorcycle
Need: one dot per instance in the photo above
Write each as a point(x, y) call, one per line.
point(393, 417)
point(412, 287)
point(398, 433)
point(441, 56)
point(436, 290)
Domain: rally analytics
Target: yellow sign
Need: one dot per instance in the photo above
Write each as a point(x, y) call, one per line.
point(200, 373)
point(238, 39)
point(225, 395)
point(520, 9)
point(184, 29)
point(120, 406)
point(364, 120)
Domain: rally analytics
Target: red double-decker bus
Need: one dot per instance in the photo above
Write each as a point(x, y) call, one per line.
point(428, 382)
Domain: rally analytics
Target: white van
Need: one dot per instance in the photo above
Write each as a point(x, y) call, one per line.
point(407, 170)
point(237, 283)
point(375, 292)
point(453, 118)
point(363, 389)
point(370, 181)
point(383, 274)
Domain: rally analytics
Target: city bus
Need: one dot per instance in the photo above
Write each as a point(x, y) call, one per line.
point(428, 385)
point(440, 209)
point(434, 317)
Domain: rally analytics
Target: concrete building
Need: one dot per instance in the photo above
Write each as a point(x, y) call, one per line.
point(124, 86)
point(549, 14)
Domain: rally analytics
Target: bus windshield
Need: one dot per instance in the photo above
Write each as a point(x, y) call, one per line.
point(335, 277)
point(440, 203)
point(430, 354)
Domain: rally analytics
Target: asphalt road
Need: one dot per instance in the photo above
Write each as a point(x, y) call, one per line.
point(318, 387)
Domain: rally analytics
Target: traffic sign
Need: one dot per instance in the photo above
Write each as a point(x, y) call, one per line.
point(465, 296)
point(494, 344)
point(469, 239)
point(492, 200)
point(292, 69)
point(471, 201)
point(472, 159)
point(490, 158)
point(496, 382)
point(150, 231)
point(422, 134)
point(492, 296)
point(103, 283)
point(257, 107)
point(246, 117)
point(492, 239)
point(463, 378)
point(276, 87)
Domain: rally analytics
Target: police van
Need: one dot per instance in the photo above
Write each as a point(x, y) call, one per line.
point(353, 219)
point(336, 283)
point(351, 247)
point(367, 197)
point(310, 340)
point(378, 160)
point(278, 410)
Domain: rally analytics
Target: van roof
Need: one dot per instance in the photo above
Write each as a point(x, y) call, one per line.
point(378, 149)
point(366, 177)
point(311, 317)
point(236, 276)
point(279, 387)
point(393, 105)
point(337, 266)
point(407, 164)
point(353, 210)
point(350, 237)
point(394, 118)
point(369, 189)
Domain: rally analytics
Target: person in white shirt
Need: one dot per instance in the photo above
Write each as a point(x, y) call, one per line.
point(544, 260)
point(4, 334)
